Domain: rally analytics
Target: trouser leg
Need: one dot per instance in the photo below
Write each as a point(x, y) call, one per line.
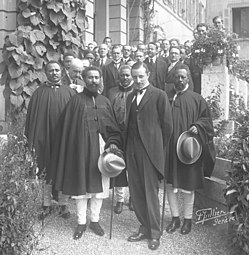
point(143, 185)
point(95, 206)
point(188, 204)
point(173, 201)
point(120, 192)
point(81, 207)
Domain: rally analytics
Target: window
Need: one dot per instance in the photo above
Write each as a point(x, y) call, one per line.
point(241, 21)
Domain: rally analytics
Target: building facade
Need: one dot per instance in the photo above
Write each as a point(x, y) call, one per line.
point(178, 18)
point(123, 20)
point(235, 14)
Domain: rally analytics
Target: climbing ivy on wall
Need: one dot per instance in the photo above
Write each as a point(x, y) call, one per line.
point(45, 30)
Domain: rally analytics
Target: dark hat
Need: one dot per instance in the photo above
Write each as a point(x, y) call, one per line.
point(111, 164)
point(188, 148)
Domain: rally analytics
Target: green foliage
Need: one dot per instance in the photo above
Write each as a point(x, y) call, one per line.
point(241, 69)
point(225, 142)
point(215, 44)
point(237, 193)
point(213, 101)
point(237, 189)
point(46, 29)
point(236, 108)
point(19, 194)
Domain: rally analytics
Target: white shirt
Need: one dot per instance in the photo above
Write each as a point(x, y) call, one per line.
point(172, 65)
point(139, 96)
point(153, 59)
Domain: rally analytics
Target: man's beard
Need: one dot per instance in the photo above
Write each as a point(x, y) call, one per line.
point(93, 87)
point(180, 86)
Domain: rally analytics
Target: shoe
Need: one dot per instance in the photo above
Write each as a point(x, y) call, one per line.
point(153, 244)
point(130, 205)
point(81, 228)
point(137, 237)
point(96, 228)
point(46, 211)
point(118, 208)
point(186, 227)
point(174, 225)
point(64, 212)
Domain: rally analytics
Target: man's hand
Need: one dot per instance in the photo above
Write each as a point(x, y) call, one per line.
point(78, 88)
point(194, 130)
point(113, 147)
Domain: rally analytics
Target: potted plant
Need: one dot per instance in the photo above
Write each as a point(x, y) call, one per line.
point(213, 48)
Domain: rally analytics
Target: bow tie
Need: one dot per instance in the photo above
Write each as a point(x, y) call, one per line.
point(139, 91)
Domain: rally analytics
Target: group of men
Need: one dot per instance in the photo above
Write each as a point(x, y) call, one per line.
point(163, 127)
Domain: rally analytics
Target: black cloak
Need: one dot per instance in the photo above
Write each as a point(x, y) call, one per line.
point(74, 164)
point(190, 108)
point(44, 110)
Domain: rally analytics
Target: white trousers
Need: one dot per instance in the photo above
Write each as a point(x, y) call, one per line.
point(188, 202)
point(81, 207)
point(120, 193)
point(47, 196)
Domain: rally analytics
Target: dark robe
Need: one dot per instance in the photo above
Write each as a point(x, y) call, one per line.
point(118, 96)
point(44, 110)
point(74, 164)
point(189, 108)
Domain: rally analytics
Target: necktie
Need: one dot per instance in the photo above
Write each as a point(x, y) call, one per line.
point(116, 65)
point(101, 62)
point(151, 61)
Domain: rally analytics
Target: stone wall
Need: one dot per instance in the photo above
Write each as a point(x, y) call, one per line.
point(218, 76)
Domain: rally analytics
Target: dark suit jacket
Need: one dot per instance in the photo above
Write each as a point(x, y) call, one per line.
point(196, 72)
point(65, 76)
point(154, 124)
point(157, 72)
point(110, 77)
point(97, 63)
point(170, 78)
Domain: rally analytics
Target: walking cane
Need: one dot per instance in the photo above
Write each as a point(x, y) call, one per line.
point(43, 189)
point(112, 208)
point(163, 209)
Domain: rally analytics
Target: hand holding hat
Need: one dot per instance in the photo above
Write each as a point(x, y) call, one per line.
point(113, 147)
point(193, 129)
point(111, 162)
point(189, 147)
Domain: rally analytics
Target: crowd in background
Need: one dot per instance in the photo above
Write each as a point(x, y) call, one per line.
point(161, 56)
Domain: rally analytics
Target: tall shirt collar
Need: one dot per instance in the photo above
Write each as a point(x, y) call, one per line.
point(126, 89)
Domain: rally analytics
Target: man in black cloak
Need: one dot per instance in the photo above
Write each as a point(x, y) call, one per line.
point(87, 127)
point(44, 110)
point(189, 112)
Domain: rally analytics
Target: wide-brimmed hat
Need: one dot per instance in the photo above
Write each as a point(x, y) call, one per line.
point(188, 148)
point(111, 164)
